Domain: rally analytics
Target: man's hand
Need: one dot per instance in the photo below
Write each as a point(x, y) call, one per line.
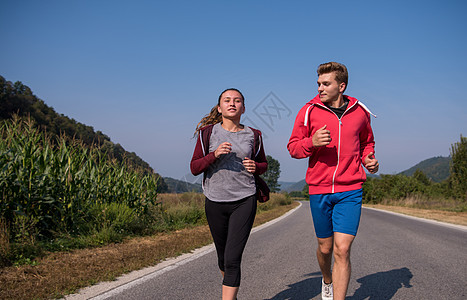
point(371, 163)
point(322, 137)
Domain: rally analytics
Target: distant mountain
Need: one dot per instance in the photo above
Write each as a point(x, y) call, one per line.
point(180, 186)
point(435, 168)
point(292, 186)
point(283, 185)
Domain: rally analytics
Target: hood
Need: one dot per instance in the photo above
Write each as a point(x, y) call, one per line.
point(317, 101)
point(352, 101)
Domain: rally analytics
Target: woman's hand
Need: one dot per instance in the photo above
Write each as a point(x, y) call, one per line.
point(249, 165)
point(223, 148)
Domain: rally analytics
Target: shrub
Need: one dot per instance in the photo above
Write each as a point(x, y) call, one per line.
point(116, 216)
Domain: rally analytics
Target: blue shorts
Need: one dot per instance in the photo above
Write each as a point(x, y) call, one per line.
point(338, 212)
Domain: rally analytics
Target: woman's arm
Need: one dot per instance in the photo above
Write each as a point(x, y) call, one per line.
point(199, 161)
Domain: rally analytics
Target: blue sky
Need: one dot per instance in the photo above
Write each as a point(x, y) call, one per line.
point(146, 72)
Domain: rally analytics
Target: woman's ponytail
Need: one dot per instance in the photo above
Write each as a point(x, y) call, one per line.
point(213, 117)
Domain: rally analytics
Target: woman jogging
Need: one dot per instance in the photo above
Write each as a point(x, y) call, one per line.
point(229, 154)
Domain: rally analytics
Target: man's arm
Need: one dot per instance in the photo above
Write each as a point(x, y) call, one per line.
point(367, 148)
point(300, 144)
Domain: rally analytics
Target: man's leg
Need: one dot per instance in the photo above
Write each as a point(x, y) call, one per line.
point(346, 218)
point(321, 211)
point(324, 254)
point(342, 268)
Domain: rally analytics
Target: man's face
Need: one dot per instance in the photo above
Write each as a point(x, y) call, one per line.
point(328, 88)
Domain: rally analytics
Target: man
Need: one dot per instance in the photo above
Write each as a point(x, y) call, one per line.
point(334, 131)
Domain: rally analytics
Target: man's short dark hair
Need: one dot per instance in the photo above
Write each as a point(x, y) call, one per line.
point(341, 71)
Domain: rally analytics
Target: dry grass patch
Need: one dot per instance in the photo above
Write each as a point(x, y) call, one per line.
point(60, 273)
point(459, 218)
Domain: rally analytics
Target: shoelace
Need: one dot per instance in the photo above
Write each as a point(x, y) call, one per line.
point(327, 290)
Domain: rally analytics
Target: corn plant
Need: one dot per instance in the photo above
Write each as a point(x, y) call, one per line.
point(56, 182)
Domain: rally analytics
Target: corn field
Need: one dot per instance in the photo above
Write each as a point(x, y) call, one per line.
point(51, 187)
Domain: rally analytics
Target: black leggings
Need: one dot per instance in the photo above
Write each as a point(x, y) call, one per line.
point(230, 224)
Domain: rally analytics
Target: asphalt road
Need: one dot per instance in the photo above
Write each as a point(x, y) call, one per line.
point(393, 257)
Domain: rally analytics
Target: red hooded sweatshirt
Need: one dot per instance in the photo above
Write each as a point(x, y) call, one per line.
point(336, 167)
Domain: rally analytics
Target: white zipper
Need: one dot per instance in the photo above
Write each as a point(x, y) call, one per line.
point(338, 156)
point(338, 142)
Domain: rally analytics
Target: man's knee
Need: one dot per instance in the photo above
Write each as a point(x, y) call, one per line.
point(342, 249)
point(325, 246)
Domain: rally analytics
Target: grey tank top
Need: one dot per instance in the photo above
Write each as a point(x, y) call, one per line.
point(226, 179)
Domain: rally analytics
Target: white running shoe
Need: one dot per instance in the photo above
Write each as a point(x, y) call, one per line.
point(326, 291)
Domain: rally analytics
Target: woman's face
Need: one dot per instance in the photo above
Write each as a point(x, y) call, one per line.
point(231, 105)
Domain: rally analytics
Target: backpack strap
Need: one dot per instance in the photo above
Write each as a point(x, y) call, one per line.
point(257, 143)
point(205, 135)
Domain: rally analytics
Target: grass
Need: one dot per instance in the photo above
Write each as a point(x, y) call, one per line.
point(443, 210)
point(453, 217)
point(419, 202)
point(60, 273)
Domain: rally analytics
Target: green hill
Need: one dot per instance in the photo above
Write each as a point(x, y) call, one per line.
point(180, 186)
point(292, 186)
point(18, 99)
point(435, 168)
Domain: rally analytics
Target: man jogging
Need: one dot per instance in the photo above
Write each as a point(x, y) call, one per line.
point(333, 130)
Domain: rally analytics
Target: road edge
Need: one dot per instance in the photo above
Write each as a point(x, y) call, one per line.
point(431, 221)
point(106, 289)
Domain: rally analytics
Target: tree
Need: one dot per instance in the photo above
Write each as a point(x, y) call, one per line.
point(272, 174)
point(421, 177)
point(458, 178)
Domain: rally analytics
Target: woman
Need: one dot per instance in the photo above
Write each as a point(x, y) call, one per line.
point(224, 153)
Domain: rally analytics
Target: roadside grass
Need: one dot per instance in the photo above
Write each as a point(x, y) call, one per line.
point(184, 228)
point(433, 203)
point(452, 211)
point(453, 217)
point(438, 209)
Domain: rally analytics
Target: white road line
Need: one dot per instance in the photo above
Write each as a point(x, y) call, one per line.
point(105, 290)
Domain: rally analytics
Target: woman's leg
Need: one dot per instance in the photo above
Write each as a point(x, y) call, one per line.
point(229, 292)
point(218, 220)
point(230, 225)
point(240, 224)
